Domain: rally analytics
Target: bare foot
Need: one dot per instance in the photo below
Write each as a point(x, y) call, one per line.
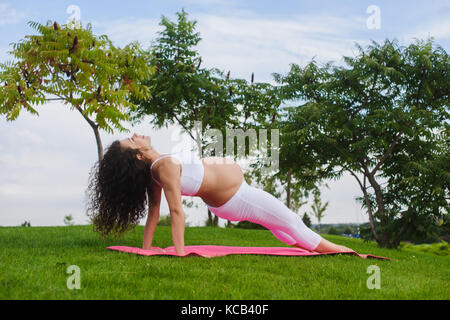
point(327, 246)
point(345, 249)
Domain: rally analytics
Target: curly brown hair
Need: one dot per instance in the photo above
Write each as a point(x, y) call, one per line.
point(119, 190)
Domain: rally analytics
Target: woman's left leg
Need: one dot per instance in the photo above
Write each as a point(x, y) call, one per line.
point(258, 206)
point(264, 209)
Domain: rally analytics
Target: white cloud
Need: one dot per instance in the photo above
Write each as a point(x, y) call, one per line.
point(9, 15)
point(30, 137)
point(244, 43)
point(123, 31)
point(439, 29)
point(247, 44)
point(55, 191)
point(211, 2)
point(342, 207)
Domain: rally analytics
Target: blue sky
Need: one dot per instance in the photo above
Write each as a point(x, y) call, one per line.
point(45, 160)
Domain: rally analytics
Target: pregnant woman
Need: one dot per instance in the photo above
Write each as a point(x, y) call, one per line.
point(132, 174)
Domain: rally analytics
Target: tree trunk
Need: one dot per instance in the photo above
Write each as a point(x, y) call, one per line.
point(398, 238)
point(369, 211)
point(378, 197)
point(209, 218)
point(213, 220)
point(367, 201)
point(288, 190)
point(383, 238)
point(99, 142)
point(94, 127)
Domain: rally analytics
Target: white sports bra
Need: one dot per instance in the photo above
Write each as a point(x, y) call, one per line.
point(192, 171)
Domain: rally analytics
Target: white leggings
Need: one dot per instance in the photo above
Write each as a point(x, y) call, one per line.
point(258, 206)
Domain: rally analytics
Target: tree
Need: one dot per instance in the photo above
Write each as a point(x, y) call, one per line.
point(306, 220)
point(187, 94)
point(76, 67)
point(334, 231)
point(348, 230)
point(26, 224)
point(183, 91)
point(384, 115)
point(318, 208)
point(68, 220)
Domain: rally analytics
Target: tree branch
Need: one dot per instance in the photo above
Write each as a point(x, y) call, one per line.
point(91, 123)
point(366, 199)
point(386, 154)
point(342, 151)
point(400, 234)
point(356, 177)
point(184, 127)
point(366, 98)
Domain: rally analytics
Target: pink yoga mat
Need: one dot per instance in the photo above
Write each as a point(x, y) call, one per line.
point(209, 251)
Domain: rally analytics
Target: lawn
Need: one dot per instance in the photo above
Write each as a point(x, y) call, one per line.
point(34, 262)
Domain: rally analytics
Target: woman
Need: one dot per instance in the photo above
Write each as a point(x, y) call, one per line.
point(132, 175)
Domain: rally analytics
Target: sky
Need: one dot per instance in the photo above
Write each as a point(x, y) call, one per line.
point(45, 160)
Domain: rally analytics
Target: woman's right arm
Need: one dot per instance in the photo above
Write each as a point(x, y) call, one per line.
point(170, 173)
point(152, 219)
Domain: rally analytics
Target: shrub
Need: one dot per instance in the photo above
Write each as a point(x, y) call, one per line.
point(248, 225)
point(333, 230)
point(26, 224)
point(441, 248)
point(68, 220)
point(306, 220)
point(164, 221)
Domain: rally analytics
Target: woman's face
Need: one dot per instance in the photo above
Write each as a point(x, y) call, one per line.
point(136, 142)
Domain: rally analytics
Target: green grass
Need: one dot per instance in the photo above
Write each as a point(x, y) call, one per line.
point(34, 261)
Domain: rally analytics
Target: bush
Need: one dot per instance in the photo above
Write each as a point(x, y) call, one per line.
point(333, 230)
point(164, 221)
point(248, 225)
point(68, 220)
point(441, 248)
point(306, 220)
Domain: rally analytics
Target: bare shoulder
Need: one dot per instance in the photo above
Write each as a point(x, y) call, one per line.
point(167, 169)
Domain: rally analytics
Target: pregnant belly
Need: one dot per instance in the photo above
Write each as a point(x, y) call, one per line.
point(222, 179)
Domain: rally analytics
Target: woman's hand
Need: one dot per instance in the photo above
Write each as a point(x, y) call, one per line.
point(181, 252)
point(158, 249)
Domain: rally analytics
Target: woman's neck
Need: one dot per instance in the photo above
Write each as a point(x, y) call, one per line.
point(151, 155)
